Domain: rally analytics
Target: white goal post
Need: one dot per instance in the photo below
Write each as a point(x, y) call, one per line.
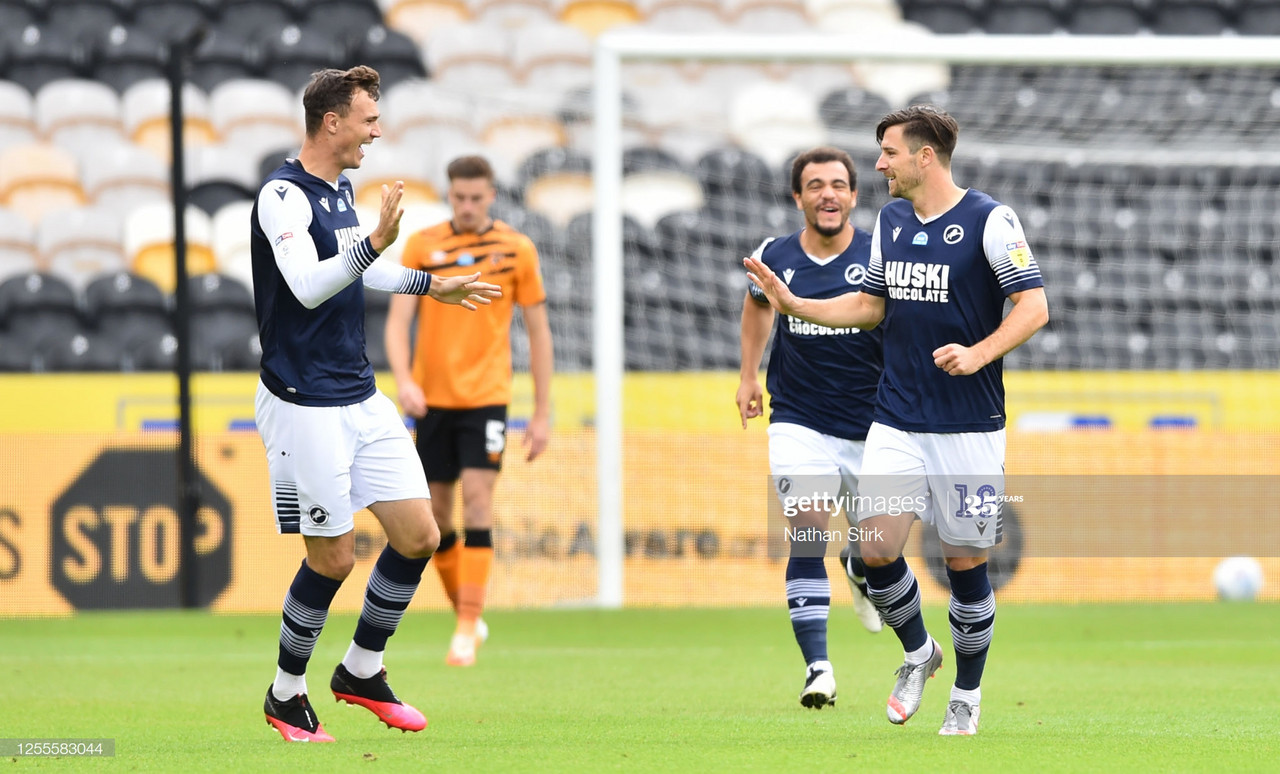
point(613, 49)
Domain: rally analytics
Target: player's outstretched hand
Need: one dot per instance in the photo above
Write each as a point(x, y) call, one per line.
point(958, 360)
point(779, 295)
point(750, 401)
point(388, 217)
point(464, 291)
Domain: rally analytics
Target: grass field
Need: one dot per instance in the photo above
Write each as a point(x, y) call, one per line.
point(1084, 688)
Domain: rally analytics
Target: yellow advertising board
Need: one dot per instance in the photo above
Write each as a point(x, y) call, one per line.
point(88, 515)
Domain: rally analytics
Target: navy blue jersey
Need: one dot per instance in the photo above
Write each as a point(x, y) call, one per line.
point(821, 378)
point(945, 282)
point(311, 357)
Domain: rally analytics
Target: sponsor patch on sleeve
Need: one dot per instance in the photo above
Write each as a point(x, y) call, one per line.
point(1020, 256)
point(286, 235)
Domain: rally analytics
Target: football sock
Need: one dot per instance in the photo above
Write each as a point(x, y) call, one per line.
point(474, 566)
point(392, 583)
point(446, 562)
point(968, 697)
point(895, 593)
point(809, 601)
point(973, 616)
point(306, 607)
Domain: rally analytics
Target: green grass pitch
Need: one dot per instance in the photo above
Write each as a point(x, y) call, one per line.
point(1192, 687)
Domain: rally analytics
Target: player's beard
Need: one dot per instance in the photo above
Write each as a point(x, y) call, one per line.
point(828, 232)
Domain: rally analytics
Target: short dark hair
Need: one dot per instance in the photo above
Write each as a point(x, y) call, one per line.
point(821, 155)
point(331, 91)
point(923, 125)
point(469, 168)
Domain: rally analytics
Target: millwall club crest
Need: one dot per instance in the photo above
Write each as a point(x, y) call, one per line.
point(952, 234)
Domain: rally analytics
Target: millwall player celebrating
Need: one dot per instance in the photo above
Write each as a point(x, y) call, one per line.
point(822, 387)
point(334, 443)
point(943, 261)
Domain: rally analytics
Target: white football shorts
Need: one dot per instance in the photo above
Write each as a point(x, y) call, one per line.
point(954, 481)
point(327, 462)
point(807, 464)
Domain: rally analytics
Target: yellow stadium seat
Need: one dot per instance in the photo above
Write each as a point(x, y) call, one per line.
point(148, 243)
point(595, 16)
point(37, 179)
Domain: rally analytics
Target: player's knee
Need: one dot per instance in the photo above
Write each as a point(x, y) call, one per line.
point(334, 565)
point(424, 542)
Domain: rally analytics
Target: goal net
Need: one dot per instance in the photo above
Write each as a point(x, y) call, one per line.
point(1145, 174)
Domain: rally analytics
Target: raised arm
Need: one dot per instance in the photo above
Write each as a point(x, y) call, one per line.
point(850, 310)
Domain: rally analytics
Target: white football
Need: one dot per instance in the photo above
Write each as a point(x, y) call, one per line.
point(1238, 578)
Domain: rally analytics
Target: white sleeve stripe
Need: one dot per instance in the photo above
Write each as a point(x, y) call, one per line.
point(415, 283)
point(359, 257)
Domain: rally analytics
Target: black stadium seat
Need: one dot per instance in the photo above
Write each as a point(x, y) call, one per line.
point(126, 307)
point(35, 307)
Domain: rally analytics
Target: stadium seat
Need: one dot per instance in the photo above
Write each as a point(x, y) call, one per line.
point(147, 117)
point(40, 53)
point(37, 179)
point(254, 115)
point(772, 16)
point(79, 19)
point(127, 308)
point(556, 182)
point(345, 20)
point(858, 16)
point(224, 55)
point(79, 115)
point(422, 114)
point(77, 353)
point(656, 183)
point(248, 20)
point(18, 253)
point(213, 194)
point(552, 58)
point(732, 174)
point(682, 15)
point(231, 231)
point(1190, 17)
point(18, 14)
point(124, 55)
point(593, 17)
point(1022, 17)
point(17, 115)
point(1106, 17)
point(224, 324)
point(149, 246)
point(38, 307)
point(297, 51)
point(226, 161)
point(384, 164)
point(122, 176)
point(852, 110)
point(421, 19)
point(1258, 17)
point(393, 54)
point(77, 244)
point(775, 120)
point(173, 20)
point(515, 123)
point(470, 57)
point(15, 354)
point(155, 352)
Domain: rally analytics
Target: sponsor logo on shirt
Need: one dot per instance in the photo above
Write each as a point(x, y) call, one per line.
point(1019, 254)
point(921, 238)
point(912, 281)
point(803, 328)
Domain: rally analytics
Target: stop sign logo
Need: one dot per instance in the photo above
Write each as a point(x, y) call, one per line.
point(115, 537)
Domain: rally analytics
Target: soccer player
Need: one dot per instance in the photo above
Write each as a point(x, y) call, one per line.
point(822, 387)
point(334, 443)
point(459, 382)
point(943, 261)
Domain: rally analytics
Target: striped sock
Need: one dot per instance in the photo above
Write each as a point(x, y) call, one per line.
point(809, 600)
point(973, 617)
point(306, 607)
point(392, 583)
point(895, 593)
